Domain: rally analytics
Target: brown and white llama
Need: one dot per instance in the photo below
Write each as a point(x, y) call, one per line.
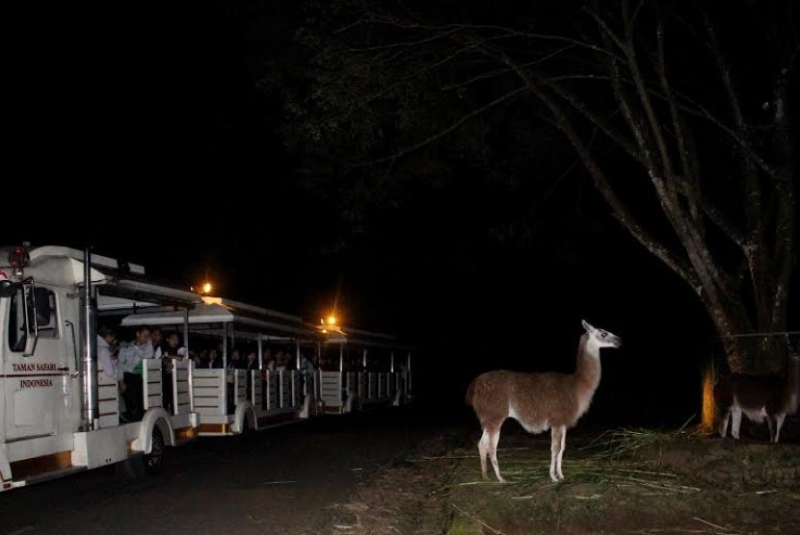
point(759, 397)
point(538, 401)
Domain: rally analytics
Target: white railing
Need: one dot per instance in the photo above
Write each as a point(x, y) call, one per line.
point(107, 400)
point(239, 386)
point(182, 387)
point(330, 389)
point(257, 389)
point(274, 393)
point(151, 383)
point(208, 390)
point(285, 382)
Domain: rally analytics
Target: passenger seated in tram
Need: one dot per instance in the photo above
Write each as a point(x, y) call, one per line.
point(107, 352)
point(269, 361)
point(280, 361)
point(107, 360)
point(157, 339)
point(251, 361)
point(268, 366)
point(212, 361)
point(306, 371)
point(250, 364)
point(131, 355)
point(235, 361)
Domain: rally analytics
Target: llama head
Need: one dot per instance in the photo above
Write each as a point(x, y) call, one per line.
point(601, 337)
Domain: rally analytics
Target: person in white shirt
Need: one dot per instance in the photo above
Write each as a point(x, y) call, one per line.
point(132, 353)
point(107, 361)
point(106, 352)
point(269, 361)
point(130, 365)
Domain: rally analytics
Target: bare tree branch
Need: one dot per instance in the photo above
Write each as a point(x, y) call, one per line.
point(500, 72)
point(505, 31)
point(441, 133)
point(595, 119)
point(619, 209)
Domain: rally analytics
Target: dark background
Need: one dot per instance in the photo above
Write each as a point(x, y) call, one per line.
point(137, 129)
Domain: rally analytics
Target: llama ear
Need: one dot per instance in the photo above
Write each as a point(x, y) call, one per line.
point(586, 326)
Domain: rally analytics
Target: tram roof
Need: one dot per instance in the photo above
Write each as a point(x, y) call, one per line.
point(124, 285)
point(360, 338)
point(216, 310)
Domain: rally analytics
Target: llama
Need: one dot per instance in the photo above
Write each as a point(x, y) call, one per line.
point(538, 401)
point(759, 397)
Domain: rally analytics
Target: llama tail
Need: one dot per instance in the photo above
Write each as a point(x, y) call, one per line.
point(470, 392)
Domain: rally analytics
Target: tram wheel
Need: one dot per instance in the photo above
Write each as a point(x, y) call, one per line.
point(147, 465)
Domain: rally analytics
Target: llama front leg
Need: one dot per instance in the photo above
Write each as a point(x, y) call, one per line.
point(561, 451)
point(557, 439)
point(483, 451)
point(723, 425)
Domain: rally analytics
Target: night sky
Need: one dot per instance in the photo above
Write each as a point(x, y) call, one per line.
point(139, 130)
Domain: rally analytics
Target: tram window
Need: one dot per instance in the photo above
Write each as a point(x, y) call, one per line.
point(46, 313)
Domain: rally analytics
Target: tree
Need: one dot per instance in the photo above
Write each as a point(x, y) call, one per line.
point(681, 114)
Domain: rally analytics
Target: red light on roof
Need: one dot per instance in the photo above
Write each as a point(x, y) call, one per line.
point(19, 257)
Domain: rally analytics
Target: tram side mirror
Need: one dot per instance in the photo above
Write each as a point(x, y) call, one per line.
point(8, 288)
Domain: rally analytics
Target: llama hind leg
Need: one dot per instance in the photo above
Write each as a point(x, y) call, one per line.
point(488, 448)
point(483, 451)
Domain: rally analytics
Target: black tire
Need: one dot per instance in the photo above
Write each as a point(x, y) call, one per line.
point(154, 461)
point(144, 466)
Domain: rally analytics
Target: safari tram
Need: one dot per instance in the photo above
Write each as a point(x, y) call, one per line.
point(241, 368)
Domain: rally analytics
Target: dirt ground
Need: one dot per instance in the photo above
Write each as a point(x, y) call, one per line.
point(281, 481)
point(624, 481)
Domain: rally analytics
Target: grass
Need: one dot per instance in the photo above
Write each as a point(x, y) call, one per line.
point(620, 483)
point(632, 480)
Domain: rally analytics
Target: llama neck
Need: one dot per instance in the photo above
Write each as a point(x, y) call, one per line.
point(587, 373)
